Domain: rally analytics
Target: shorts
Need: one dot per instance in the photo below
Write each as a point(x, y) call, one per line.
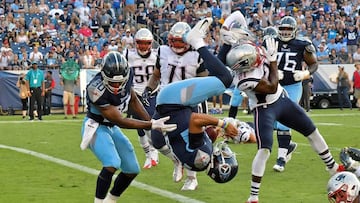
point(68, 98)
point(357, 93)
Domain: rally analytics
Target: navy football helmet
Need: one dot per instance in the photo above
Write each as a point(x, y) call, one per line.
point(115, 71)
point(343, 187)
point(287, 28)
point(270, 32)
point(223, 166)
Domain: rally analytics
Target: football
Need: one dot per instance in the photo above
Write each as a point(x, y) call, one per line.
point(211, 131)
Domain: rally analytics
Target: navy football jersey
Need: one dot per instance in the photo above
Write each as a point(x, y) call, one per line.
point(98, 95)
point(290, 58)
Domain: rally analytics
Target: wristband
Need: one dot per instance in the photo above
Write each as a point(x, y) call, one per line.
point(222, 124)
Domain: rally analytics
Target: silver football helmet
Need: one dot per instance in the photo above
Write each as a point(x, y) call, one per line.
point(115, 71)
point(287, 28)
point(143, 41)
point(343, 187)
point(244, 58)
point(175, 39)
point(241, 33)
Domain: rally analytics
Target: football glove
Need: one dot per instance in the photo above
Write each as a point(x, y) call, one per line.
point(160, 124)
point(301, 74)
point(354, 153)
point(271, 49)
point(146, 96)
point(347, 161)
point(236, 16)
point(281, 74)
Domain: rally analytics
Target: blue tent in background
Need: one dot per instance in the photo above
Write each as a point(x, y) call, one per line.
point(9, 93)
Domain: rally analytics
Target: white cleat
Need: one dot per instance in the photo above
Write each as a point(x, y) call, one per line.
point(196, 35)
point(148, 162)
point(190, 184)
point(178, 172)
point(154, 154)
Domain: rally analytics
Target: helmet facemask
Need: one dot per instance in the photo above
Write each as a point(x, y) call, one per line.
point(175, 40)
point(343, 187)
point(115, 83)
point(287, 29)
point(143, 41)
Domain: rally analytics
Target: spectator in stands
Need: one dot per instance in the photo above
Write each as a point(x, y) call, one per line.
point(43, 7)
point(215, 9)
point(16, 9)
point(356, 55)
point(85, 31)
point(127, 40)
point(343, 56)
point(49, 86)
point(322, 55)
point(21, 84)
point(344, 86)
point(55, 10)
point(104, 50)
point(142, 16)
point(87, 60)
point(33, 8)
point(6, 55)
point(22, 37)
point(317, 40)
point(105, 20)
point(51, 59)
point(34, 39)
point(351, 36)
point(333, 57)
point(36, 55)
point(84, 12)
point(187, 17)
point(15, 63)
point(332, 45)
point(130, 8)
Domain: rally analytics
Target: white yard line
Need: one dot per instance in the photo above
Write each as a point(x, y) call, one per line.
point(142, 186)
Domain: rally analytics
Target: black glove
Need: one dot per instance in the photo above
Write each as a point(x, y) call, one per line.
point(146, 96)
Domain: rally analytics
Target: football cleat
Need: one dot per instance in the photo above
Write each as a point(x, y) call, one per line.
point(335, 169)
point(154, 154)
point(280, 165)
point(252, 201)
point(178, 172)
point(148, 162)
point(195, 37)
point(292, 147)
point(190, 184)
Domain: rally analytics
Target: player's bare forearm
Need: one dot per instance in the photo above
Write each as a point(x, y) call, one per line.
point(154, 80)
point(311, 61)
point(269, 85)
point(112, 114)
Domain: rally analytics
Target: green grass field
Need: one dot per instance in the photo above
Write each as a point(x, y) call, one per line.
point(60, 172)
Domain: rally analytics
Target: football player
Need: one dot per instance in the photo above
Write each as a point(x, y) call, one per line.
point(109, 94)
point(175, 62)
point(292, 53)
point(142, 61)
point(246, 132)
point(190, 143)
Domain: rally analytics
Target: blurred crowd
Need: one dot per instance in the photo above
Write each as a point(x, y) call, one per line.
point(50, 32)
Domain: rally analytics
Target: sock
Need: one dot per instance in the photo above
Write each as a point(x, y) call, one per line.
point(284, 139)
point(319, 145)
point(143, 140)
point(110, 198)
point(122, 182)
point(191, 173)
point(103, 183)
point(259, 162)
point(254, 193)
point(166, 151)
point(233, 111)
point(97, 200)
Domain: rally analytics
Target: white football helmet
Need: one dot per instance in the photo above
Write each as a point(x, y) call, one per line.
point(143, 41)
point(287, 28)
point(343, 187)
point(244, 129)
point(245, 57)
point(175, 39)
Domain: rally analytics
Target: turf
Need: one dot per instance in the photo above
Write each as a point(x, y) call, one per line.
point(26, 178)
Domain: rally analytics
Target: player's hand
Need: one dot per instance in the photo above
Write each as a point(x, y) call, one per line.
point(281, 74)
point(226, 36)
point(146, 96)
point(301, 74)
point(271, 49)
point(160, 124)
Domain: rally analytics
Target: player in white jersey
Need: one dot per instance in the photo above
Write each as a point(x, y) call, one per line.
point(142, 61)
point(176, 61)
point(255, 72)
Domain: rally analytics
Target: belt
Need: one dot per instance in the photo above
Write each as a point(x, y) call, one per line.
point(35, 87)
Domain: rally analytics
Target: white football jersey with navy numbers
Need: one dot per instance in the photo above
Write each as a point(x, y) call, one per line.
point(143, 68)
point(174, 67)
point(249, 80)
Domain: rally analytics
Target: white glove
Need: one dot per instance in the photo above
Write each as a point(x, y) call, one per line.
point(236, 16)
point(301, 74)
point(160, 124)
point(271, 49)
point(281, 74)
point(227, 37)
point(195, 37)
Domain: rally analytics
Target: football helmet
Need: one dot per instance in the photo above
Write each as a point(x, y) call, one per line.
point(244, 129)
point(223, 166)
point(287, 28)
point(270, 32)
point(175, 37)
point(143, 41)
point(115, 71)
point(245, 57)
point(241, 34)
point(343, 187)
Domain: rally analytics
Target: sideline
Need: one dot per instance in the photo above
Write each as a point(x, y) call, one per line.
point(139, 185)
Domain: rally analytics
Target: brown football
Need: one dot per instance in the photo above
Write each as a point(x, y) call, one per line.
point(211, 131)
